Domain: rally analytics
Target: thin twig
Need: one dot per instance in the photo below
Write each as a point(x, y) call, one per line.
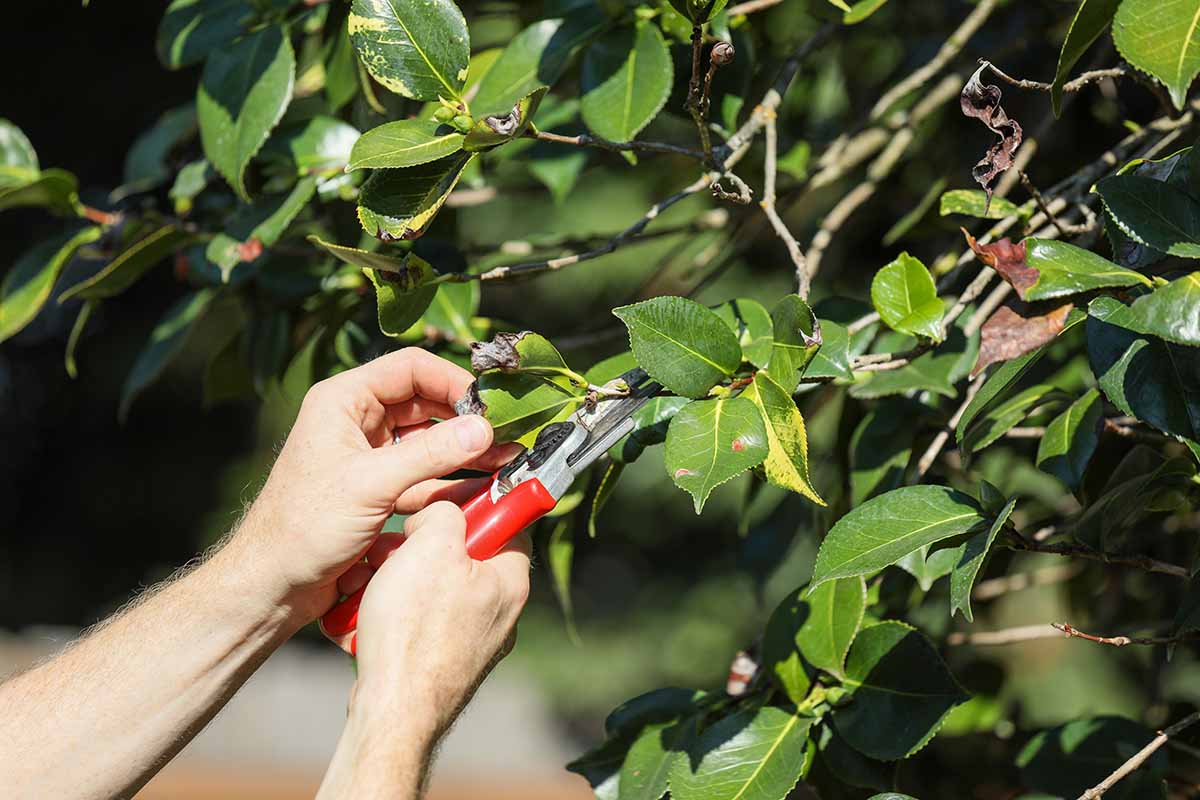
point(950, 48)
point(1139, 758)
point(587, 140)
point(935, 447)
point(1125, 641)
point(1070, 86)
point(768, 206)
point(695, 105)
point(1144, 563)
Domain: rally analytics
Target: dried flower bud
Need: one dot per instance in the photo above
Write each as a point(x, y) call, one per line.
point(722, 53)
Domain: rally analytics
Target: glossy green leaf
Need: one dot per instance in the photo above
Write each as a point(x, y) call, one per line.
point(797, 339)
point(18, 159)
point(147, 164)
point(76, 336)
point(452, 309)
point(756, 754)
point(1162, 38)
point(520, 404)
point(604, 491)
point(1171, 312)
point(190, 181)
point(1111, 522)
point(627, 77)
point(404, 143)
point(1004, 376)
point(560, 556)
point(402, 297)
point(1144, 376)
point(701, 11)
point(751, 323)
point(416, 48)
point(318, 145)
point(255, 227)
point(651, 759)
point(28, 284)
point(1069, 760)
point(537, 56)
point(341, 69)
point(928, 567)
point(786, 464)
point(401, 203)
point(493, 131)
point(713, 441)
point(850, 766)
point(862, 10)
point(901, 691)
point(815, 628)
point(880, 449)
point(832, 359)
point(130, 264)
point(886, 528)
point(1065, 269)
point(681, 344)
point(1071, 439)
point(973, 203)
point(244, 90)
point(968, 560)
point(55, 189)
point(1091, 20)
point(989, 426)
point(192, 29)
point(906, 298)
point(1153, 213)
point(166, 342)
point(652, 708)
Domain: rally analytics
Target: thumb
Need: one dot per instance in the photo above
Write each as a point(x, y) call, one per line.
point(429, 453)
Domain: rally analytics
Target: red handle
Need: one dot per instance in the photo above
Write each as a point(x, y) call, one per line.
point(490, 526)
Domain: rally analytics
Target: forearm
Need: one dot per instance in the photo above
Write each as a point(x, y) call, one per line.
point(101, 718)
point(381, 755)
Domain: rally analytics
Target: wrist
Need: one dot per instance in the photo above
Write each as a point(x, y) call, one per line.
point(265, 598)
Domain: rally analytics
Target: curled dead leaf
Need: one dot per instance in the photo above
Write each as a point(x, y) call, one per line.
point(500, 353)
point(1016, 328)
point(1008, 260)
point(471, 402)
point(982, 102)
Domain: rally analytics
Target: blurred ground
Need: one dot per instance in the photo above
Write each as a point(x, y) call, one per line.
point(275, 737)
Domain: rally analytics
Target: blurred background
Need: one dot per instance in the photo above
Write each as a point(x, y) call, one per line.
point(92, 510)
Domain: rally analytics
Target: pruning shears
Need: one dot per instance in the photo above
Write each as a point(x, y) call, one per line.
point(530, 486)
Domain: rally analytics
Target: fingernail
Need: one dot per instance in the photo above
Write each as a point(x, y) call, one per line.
point(472, 431)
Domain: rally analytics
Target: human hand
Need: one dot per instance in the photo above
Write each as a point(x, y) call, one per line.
point(339, 477)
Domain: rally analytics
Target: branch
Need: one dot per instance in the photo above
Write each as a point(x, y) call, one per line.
point(1139, 758)
point(1124, 641)
point(586, 140)
point(935, 447)
point(1144, 563)
point(768, 206)
point(1071, 86)
point(950, 48)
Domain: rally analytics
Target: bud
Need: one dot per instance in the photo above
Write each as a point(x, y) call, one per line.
point(722, 54)
point(462, 123)
point(443, 114)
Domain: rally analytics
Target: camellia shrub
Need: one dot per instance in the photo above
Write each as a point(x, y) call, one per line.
point(1029, 386)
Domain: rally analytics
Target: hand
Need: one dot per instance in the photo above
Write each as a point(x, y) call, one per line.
point(339, 477)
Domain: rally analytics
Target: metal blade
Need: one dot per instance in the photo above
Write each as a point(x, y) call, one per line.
point(611, 420)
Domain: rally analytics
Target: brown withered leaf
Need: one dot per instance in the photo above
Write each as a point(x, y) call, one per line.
point(982, 102)
point(1017, 328)
point(500, 353)
point(1008, 259)
point(471, 402)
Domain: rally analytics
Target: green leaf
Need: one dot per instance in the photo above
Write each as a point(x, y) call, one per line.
point(604, 491)
point(55, 189)
point(751, 323)
point(1154, 213)
point(364, 259)
point(28, 284)
point(712, 441)
point(416, 48)
point(840, 4)
point(1066, 269)
point(886, 528)
point(244, 90)
point(973, 203)
point(701, 11)
point(76, 335)
point(401, 203)
point(1171, 312)
point(652, 708)
point(862, 10)
point(918, 212)
point(906, 298)
point(18, 159)
point(681, 344)
point(936, 371)
point(797, 339)
point(1162, 39)
point(881, 448)
point(1071, 439)
point(452, 309)
point(786, 464)
point(147, 164)
point(166, 341)
point(1004, 376)
point(1068, 760)
point(493, 131)
point(560, 554)
point(131, 264)
point(1003, 416)
point(318, 145)
point(404, 143)
point(969, 558)
point(190, 181)
point(1091, 19)
point(521, 352)
point(257, 226)
point(928, 567)
point(652, 757)
point(816, 626)
point(1155, 381)
point(520, 404)
point(850, 766)
point(756, 754)
point(402, 297)
point(832, 360)
point(627, 77)
point(192, 29)
point(537, 56)
point(901, 692)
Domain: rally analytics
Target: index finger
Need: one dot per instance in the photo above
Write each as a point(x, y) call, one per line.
point(412, 372)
